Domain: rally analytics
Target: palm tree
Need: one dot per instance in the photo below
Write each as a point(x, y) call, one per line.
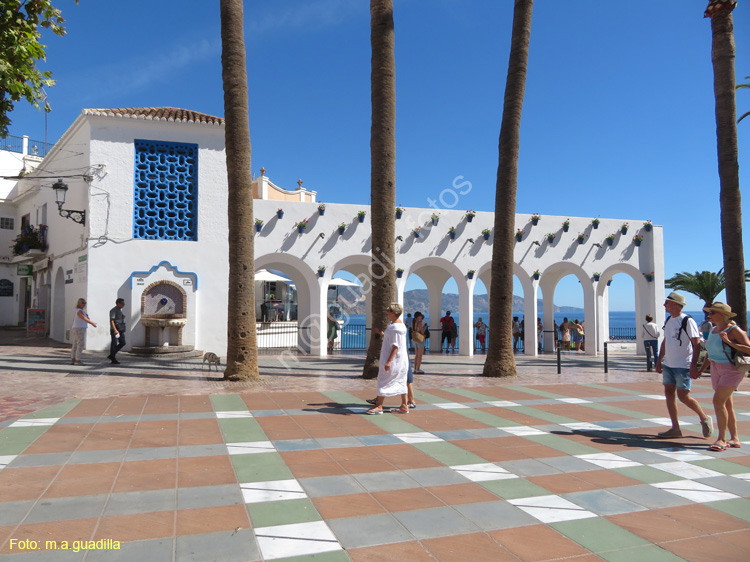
point(741, 87)
point(382, 173)
point(242, 350)
point(722, 56)
point(500, 361)
point(706, 285)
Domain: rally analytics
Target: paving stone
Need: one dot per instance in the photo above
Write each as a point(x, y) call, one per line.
point(58, 509)
point(332, 486)
point(370, 530)
point(495, 515)
point(603, 502)
point(382, 481)
point(128, 503)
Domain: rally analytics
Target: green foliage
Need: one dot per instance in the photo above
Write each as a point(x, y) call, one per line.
point(20, 49)
point(705, 285)
point(30, 238)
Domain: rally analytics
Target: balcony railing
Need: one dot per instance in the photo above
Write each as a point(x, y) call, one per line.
point(32, 147)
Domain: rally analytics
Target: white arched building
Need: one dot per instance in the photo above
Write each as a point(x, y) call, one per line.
point(436, 257)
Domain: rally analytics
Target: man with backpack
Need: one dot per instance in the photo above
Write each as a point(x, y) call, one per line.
point(678, 363)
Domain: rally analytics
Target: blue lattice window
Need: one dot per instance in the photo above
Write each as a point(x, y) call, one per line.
point(165, 194)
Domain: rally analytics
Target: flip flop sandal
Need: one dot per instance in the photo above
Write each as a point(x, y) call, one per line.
point(372, 401)
point(374, 412)
point(717, 448)
point(734, 445)
point(399, 411)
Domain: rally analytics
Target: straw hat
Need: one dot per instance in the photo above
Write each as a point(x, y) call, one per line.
point(721, 308)
point(676, 298)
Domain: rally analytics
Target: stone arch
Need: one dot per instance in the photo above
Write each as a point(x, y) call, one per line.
point(180, 308)
point(310, 307)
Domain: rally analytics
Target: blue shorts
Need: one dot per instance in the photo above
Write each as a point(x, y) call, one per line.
point(409, 374)
point(680, 378)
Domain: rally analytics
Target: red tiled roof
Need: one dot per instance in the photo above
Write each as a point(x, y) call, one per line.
point(173, 114)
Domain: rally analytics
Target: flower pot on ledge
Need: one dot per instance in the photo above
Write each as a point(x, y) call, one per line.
point(342, 230)
point(610, 242)
point(398, 214)
point(280, 214)
point(452, 235)
point(361, 218)
point(486, 236)
point(321, 212)
point(258, 227)
point(469, 218)
point(399, 274)
point(597, 277)
point(535, 276)
point(301, 229)
point(470, 275)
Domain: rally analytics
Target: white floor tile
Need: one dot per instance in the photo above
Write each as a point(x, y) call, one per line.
point(250, 447)
point(450, 405)
point(653, 396)
point(573, 400)
point(5, 460)
point(744, 476)
point(502, 404)
point(585, 426)
point(608, 460)
point(32, 422)
point(234, 414)
point(483, 472)
point(660, 421)
point(523, 430)
point(551, 509)
point(277, 490)
point(694, 491)
point(297, 539)
point(419, 437)
point(686, 470)
point(681, 454)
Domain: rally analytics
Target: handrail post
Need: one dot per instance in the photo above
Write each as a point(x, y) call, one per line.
point(648, 358)
point(606, 358)
point(559, 359)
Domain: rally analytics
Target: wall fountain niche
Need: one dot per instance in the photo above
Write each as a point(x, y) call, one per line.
point(164, 315)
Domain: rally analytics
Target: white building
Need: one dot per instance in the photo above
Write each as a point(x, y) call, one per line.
point(152, 184)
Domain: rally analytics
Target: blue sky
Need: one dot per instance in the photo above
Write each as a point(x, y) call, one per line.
point(618, 119)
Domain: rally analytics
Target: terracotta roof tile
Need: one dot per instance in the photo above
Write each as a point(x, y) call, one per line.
point(173, 114)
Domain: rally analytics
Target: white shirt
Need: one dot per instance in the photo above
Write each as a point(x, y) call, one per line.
point(78, 322)
point(675, 355)
point(651, 331)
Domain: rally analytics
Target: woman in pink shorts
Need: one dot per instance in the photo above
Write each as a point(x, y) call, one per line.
point(723, 340)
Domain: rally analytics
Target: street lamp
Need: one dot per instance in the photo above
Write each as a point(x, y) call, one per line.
point(61, 188)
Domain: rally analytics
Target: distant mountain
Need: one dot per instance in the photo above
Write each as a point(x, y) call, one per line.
point(352, 301)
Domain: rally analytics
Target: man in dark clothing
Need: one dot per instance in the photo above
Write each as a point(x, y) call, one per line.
point(116, 330)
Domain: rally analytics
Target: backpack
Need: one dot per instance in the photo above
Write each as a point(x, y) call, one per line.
point(683, 326)
point(426, 333)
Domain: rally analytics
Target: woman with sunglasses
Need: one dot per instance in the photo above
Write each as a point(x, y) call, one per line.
point(725, 338)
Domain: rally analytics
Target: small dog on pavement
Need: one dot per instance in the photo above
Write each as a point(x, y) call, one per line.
point(211, 358)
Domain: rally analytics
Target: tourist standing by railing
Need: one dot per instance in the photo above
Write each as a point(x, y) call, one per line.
point(651, 335)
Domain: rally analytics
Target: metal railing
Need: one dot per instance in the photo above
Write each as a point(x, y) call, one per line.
point(621, 334)
point(13, 143)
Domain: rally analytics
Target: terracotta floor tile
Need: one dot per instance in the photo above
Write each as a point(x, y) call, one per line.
point(40, 474)
point(88, 486)
point(137, 527)
point(414, 461)
point(195, 404)
point(397, 552)
point(461, 548)
point(744, 461)
point(606, 479)
point(580, 391)
point(148, 441)
point(350, 505)
point(212, 477)
point(562, 483)
point(491, 452)
point(501, 393)
point(702, 549)
point(317, 469)
point(740, 539)
point(68, 530)
point(286, 434)
point(145, 481)
point(100, 443)
point(259, 402)
point(90, 407)
point(325, 432)
point(212, 519)
point(457, 494)
point(292, 458)
point(162, 405)
point(126, 406)
point(407, 500)
point(535, 543)
point(18, 491)
point(363, 466)
point(216, 462)
point(353, 453)
point(540, 452)
point(706, 519)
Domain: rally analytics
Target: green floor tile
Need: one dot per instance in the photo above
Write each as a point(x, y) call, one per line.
point(563, 444)
point(542, 415)
point(723, 466)
point(619, 411)
point(449, 454)
point(650, 553)
point(514, 488)
point(484, 417)
point(260, 467)
point(645, 474)
point(13, 440)
point(739, 508)
point(393, 423)
point(615, 390)
point(56, 411)
point(241, 430)
point(268, 514)
point(227, 403)
point(599, 535)
point(335, 556)
point(428, 398)
point(535, 392)
point(471, 395)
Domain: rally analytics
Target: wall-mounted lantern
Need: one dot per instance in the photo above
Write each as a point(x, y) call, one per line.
point(61, 189)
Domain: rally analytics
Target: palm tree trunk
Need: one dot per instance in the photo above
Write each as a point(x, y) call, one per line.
point(382, 173)
point(500, 361)
point(242, 350)
point(722, 56)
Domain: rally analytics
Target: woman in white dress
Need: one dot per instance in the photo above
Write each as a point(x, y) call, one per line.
point(394, 363)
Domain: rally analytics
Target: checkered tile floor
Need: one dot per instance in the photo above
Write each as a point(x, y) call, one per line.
point(492, 473)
